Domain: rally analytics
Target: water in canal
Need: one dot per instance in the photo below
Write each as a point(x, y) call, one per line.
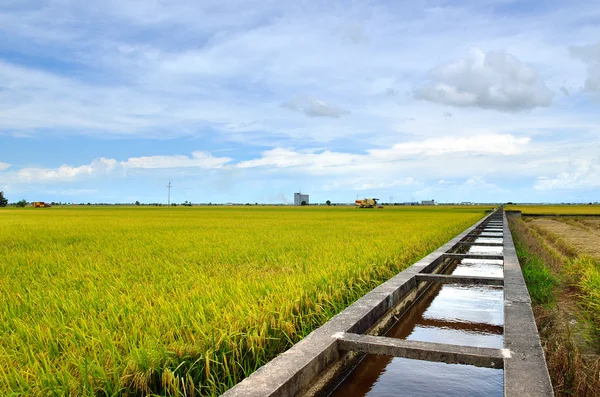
point(384, 376)
point(446, 313)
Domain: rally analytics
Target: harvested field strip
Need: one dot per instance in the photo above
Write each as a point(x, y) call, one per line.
point(573, 240)
point(559, 257)
point(578, 223)
point(592, 225)
point(551, 238)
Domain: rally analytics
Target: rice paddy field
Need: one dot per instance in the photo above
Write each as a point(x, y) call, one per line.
point(186, 301)
point(592, 209)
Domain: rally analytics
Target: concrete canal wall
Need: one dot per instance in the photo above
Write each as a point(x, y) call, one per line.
point(319, 363)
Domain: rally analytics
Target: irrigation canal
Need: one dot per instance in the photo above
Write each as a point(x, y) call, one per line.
point(456, 323)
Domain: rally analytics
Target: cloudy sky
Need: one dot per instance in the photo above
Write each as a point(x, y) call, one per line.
point(244, 101)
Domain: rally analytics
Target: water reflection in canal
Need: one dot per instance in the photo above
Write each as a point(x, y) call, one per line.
point(383, 376)
point(447, 313)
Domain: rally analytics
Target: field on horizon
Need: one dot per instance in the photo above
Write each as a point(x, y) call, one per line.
point(553, 209)
point(187, 301)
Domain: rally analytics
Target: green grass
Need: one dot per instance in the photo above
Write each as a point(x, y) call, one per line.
point(540, 281)
point(186, 301)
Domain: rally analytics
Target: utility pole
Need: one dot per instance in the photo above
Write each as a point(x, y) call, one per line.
point(169, 187)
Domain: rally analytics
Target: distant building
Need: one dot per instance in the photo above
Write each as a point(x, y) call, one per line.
point(299, 198)
point(427, 202)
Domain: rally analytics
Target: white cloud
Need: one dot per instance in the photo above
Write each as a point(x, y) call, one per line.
point(505, 144)
point(106, 167)
point(284, 158)
point(494, 80)
point(581, 174)
point(323, 162)
point(4, 166)
point(198, 159)
point(419, 169)
point(499, 144)
point(313, 107)
point(236, 69)
point(590, 55)
point(65, 172)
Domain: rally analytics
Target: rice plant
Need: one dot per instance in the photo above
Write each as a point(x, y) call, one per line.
point(186, 301)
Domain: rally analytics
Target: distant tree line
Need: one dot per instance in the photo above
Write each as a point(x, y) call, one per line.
point(4, 201)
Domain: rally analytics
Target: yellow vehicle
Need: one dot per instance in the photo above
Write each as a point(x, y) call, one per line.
point(367, 203)
point(40, 204)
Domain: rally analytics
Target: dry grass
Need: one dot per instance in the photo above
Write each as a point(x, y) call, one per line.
point(573, 372)
point(594, 223)
point(591, 224)
point(578, 240)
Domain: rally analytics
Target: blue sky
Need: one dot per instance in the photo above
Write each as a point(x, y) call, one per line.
point(244, 101)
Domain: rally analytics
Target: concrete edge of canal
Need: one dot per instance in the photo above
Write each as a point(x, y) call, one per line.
point(325, 353)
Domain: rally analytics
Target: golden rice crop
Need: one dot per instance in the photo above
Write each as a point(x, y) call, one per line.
point(579, 209)
point(186, 301)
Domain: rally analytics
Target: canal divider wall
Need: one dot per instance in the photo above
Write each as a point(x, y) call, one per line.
point(334, 347)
